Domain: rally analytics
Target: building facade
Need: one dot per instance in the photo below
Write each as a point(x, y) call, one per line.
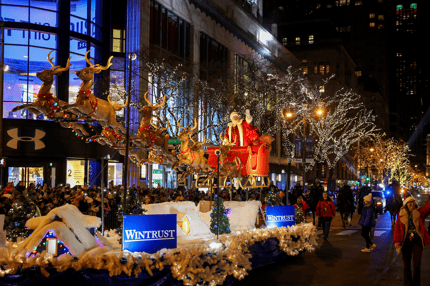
point(199, 34)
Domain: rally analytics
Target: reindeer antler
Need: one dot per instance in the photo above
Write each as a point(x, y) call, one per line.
point(151, 104)
point(88, 60)
point(50, 61)
point(97, 68)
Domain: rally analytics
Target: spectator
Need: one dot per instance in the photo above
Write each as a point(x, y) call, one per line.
point(326, 211)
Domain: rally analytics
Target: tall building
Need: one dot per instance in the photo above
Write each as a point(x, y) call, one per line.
point(386, 40)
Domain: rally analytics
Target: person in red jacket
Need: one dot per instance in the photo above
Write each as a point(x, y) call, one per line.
point(410, 237)
point(326, 211)
point(302, 203)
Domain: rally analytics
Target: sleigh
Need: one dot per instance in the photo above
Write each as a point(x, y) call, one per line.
point(252, 170)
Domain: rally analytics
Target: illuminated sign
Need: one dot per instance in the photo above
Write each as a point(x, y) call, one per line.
point(149, 233)
point(2, 162)
point(280, 216)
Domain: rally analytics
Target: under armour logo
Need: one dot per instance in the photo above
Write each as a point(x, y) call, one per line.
point(13, 143)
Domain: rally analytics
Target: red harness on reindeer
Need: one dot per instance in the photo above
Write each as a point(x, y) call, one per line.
point(193, 155)
point(151, 134)
point(51, 101)
point(93, 103)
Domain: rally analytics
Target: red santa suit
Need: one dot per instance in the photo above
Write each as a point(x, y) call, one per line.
point(243, 133)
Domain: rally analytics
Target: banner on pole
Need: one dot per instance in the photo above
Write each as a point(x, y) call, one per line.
point(298, 149)
point(280, 216)
point(149, 233)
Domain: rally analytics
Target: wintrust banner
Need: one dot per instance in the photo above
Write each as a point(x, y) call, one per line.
point(149, 233)
point(280, 216)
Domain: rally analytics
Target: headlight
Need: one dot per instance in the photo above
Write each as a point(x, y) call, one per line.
point(379, 203)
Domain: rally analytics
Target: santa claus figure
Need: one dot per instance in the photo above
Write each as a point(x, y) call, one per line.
point(241, 132)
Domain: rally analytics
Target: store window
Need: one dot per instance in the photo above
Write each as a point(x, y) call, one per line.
point(25, 54)
point(115, 173)
point(75, 175)
point(27, 175)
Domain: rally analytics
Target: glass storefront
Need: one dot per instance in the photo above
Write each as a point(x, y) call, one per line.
point(25, 50)
point(115, 173)
point(75, 172)
point(26, 174)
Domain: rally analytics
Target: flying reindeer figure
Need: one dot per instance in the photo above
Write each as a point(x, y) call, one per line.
point(153, 138)
point(88, 104)
point(193, 159)
point(226, 168)
point(46, 103)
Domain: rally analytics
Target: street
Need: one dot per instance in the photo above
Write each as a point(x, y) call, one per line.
point(339, 261)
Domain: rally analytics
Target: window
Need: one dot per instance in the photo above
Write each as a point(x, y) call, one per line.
point(213, 57)
point(315, 68)
point(380, 26)
point(372, 15)
point(297, 40)
point(118, 41)
point(358, 2)
point(371, 25)
point(25, 51)
point(381, 17)
point(358, 73)
point(242, 78)
point(327, 68)
point(380, 1)
point(329, 6)
point(399, 7)
point(86, 17)
point(284, 41)
point(322, 68)
point(305, 70)
point(169, 32)
point(413, 6)
point(311, 39)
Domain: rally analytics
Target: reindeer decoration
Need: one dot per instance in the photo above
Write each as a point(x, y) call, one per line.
point(230, 169)
point(46, 103)
point(88, 104)
point(153, 138)
point(193, 159)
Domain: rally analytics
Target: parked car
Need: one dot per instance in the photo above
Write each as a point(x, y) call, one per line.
point(379, 201)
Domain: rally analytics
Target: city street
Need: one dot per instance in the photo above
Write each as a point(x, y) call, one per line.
point(339, 261)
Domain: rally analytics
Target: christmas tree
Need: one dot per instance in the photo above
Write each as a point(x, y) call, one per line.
point(223, 225)
point(271, 199)
point(299, 215)
point(23, 209)
point(133, 206)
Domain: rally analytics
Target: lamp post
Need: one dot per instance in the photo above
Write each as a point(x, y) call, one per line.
point(132, 57)
point(287, 114)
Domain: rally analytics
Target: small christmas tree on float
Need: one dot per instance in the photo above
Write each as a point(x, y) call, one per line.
point(223, 225)
point(133, 207)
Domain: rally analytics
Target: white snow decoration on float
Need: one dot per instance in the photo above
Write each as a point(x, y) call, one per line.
point(243, 217)
point(68, 227)
point(188, 210)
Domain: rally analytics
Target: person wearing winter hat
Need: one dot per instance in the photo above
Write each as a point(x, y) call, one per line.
point(410, 237)
point(367, 221)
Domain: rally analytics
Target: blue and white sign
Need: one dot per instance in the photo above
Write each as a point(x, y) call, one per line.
point(149, 233)
point(280, 216)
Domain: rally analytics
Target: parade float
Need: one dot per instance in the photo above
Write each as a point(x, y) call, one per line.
point(189, 245)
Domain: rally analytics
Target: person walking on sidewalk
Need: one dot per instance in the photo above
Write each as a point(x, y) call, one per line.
point(367, 221)
point(326, 211)
point(410, 237)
